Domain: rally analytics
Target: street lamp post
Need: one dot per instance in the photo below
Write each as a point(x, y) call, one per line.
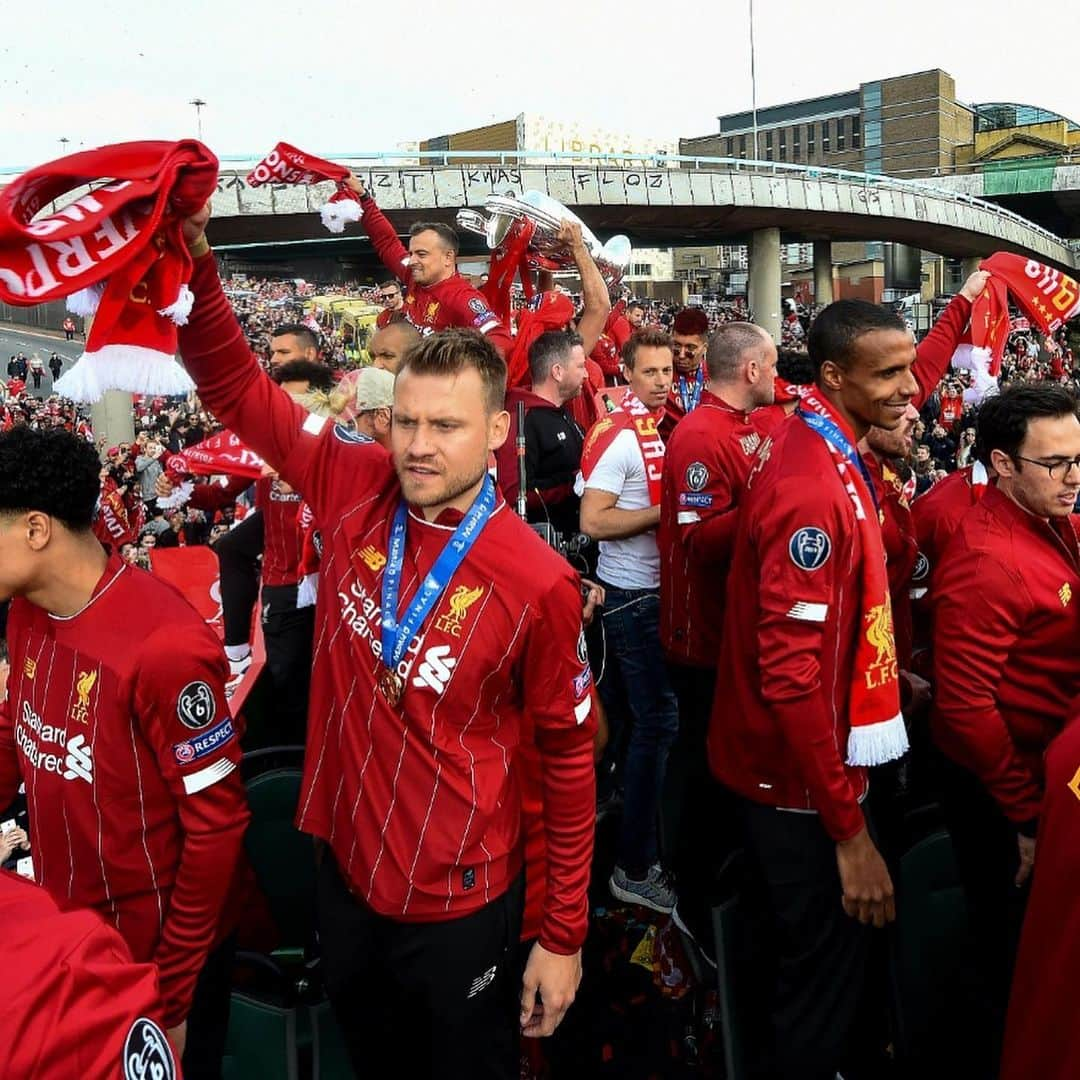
point(753, 81)
point(63, 146)
point(198, 103)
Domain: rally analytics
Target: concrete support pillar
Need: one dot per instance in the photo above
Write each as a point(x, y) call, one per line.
point(823, 273)
point(113, 418)
point(764, 295)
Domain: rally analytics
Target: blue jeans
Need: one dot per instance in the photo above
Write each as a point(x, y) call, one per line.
point(635, 660)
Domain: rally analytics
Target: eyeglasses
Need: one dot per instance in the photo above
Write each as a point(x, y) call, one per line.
point(1058, 470)
point(679, 349)
point(387, 297)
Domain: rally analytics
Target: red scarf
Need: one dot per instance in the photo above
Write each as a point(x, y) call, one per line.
point(286, 164)
point(877, 732)
point(117, 253)
point(221, 453)
point(633, 415)
point(120, 518)
point(1046, 296)
point(553, 311)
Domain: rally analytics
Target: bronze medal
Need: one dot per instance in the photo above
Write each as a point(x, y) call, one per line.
point(391, 687)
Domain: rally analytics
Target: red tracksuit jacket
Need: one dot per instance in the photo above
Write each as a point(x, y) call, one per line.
point(453, 302)
point(420, 803)
point(1006, 666)
point(117, 722)
point(779, 727)
point(1042, 1038)
point(76, 1007)
point(706, 463)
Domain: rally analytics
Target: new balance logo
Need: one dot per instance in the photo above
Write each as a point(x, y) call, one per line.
point(78, 764)
point(481, 982)
point(434, 671)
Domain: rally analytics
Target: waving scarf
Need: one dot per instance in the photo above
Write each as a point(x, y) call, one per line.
point(115, 252)
point(221, 453)
point(286, 164)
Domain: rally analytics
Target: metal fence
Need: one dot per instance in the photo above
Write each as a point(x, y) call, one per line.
point(48, 316)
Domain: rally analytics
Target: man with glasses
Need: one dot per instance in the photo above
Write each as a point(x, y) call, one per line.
point(393, 303)
point(1006, 666)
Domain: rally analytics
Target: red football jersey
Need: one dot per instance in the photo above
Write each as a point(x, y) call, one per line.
point(453, 302)
point(117, 722)
point(420, 801)
point(75, 1004)
point(708, 458)
point(778, 730)
point(283, 538)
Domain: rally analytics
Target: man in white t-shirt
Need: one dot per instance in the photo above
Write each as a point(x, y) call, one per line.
point(621, 464)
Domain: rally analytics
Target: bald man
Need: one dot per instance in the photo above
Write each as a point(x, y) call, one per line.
point(388, 345)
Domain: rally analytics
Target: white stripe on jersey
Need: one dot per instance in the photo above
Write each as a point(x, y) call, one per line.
point(582, 709)
point(807, 612)
point(313, 424)
point(204, 778)
point(489, 326)
point(687, 517)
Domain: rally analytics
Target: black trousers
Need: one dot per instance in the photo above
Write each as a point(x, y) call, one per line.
point(238, 554)
point(987, 858)
point(698, 824)
point(422, 1000)
point(208, 1020)
point(821, 954)
point(289, 636)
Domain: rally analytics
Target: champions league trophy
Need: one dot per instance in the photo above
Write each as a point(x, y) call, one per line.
point(522, 234)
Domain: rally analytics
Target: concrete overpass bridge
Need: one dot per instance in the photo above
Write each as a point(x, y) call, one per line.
point(672, 201)
point(661, 201)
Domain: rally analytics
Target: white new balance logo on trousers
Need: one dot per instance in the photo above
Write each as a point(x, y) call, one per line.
point(482, 981)
point(435, 669)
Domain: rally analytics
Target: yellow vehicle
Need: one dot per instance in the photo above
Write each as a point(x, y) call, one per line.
point(354, 319)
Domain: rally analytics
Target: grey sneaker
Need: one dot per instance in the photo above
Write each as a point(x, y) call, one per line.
point(654, 892)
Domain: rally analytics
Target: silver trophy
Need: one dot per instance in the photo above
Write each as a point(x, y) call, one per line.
point(546, 214)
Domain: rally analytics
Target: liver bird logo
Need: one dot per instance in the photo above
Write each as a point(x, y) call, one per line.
point(879, 632)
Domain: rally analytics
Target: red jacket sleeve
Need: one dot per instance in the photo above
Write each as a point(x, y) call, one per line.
point(979, 612)
point(217, 496)
point(325, 463)
point(472, 310)
point(789, 647)
point(91, 1002)
point(557, 685)
point(935, 352)
point(385, 240)
point(705, 517)
point(182, 710)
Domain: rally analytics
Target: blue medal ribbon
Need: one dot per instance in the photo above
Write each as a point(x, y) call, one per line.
point(830, 431)
point(397, 635)
point(691, 392)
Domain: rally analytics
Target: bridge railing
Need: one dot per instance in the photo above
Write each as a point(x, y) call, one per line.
point(570, 159)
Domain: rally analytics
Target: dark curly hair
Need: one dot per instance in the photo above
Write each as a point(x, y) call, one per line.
point(51, 471)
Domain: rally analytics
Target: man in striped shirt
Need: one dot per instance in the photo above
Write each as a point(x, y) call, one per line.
point(116, 721)
point(414, 726)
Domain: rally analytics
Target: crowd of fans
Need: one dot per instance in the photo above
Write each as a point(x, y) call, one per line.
point(638, 428)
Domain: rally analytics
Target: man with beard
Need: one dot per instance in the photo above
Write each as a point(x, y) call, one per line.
point(436, 295)
point(689, 337)
point(393, 302)
point(442, 622)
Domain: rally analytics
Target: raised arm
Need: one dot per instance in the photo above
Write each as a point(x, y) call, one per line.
point(594, 292)
point(935, 351)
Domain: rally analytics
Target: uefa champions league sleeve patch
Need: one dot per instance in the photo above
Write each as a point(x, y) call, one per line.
point(195, 706)
point(809, 548)
point(147, 1053)
point(697, 476)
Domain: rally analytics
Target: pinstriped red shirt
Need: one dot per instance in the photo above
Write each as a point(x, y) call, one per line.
point(282, 536)
point(420, 803)
point(117, 723)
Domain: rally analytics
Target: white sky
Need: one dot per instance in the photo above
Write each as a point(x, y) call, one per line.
point(333, 75)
